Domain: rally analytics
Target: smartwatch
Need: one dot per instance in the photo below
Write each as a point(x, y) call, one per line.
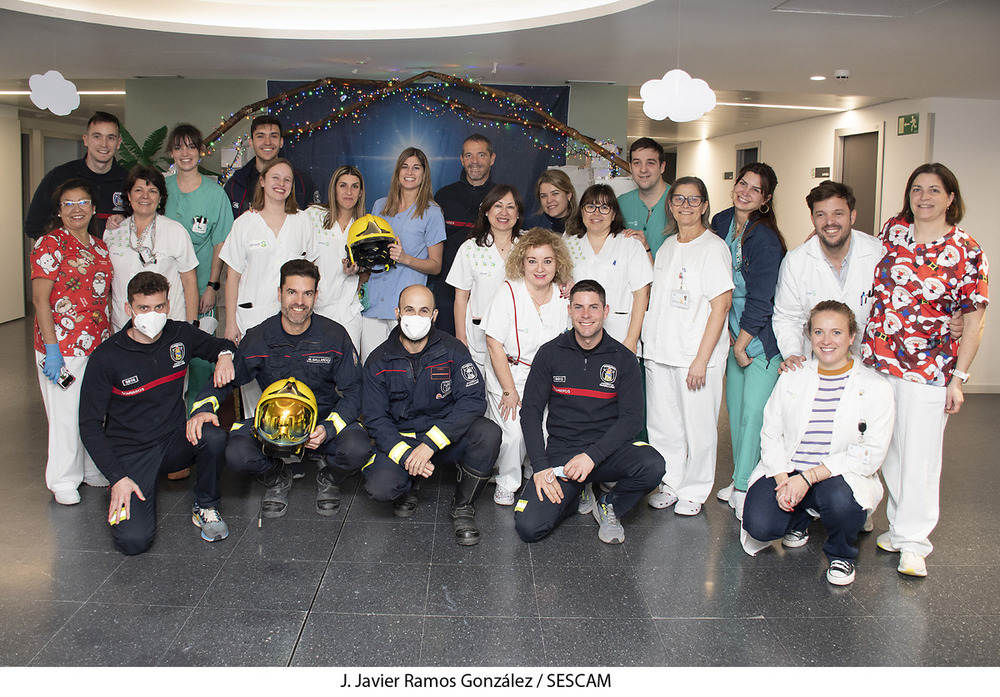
point(964, 377)
point(214, 285)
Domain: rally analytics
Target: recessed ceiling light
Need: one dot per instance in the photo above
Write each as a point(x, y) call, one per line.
point(818, 78)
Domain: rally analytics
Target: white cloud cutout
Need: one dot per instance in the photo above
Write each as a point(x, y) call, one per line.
point(54, 92)
point(677, 96)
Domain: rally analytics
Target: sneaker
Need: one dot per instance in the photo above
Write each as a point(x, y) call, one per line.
point(405, 505)
point(586, 504)
point(912, 564)
point(213, 527)
point(884, 542)
point(869, 524)
point(663, 497)
point(840, 573)
point(68, 497)
point(736, 500)
point(725, 492)
point(611, 530)
point(796, 538)
point(687, 508)
point(179, 474)
point(504, 497)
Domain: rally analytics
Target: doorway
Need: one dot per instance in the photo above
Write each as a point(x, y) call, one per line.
point(859, 165)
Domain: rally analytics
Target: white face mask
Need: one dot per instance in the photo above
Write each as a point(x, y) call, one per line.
point(415, 327)
point(150, 323)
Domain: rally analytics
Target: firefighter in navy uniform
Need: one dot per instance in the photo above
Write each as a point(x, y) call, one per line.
point(132, 415)
point(318, 353)
point(424, 401)
point(591, 385)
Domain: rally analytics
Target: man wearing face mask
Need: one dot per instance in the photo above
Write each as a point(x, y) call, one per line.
point(424, 401)
point(132, 415)
point(317, 351)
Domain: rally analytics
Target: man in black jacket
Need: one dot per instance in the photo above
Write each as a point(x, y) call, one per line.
point(317, 352)
point(266, 140)
point(424, 401)
point(591, 385)
point(132, 415)
point(99, 167)
point(460, 203)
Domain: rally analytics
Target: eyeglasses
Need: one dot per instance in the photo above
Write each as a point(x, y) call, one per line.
point(693, 201)
point(604, 208)
point(83, 203)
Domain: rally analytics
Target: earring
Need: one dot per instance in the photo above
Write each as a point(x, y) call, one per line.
point(764, 209)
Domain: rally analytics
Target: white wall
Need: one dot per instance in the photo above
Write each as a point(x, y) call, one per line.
point(11, 243)
point(957, 132)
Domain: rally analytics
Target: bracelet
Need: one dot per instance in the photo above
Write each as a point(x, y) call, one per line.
point(214, 285)
point(803, 475)
point(649, 250)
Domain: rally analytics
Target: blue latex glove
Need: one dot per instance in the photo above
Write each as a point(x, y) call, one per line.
point(53, 362)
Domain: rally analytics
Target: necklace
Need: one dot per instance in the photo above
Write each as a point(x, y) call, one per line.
point(146, 252)
point(738, 238)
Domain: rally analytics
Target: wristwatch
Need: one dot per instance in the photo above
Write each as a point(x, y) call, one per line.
point(214, 285)
point(964, 377)
point(227, 352)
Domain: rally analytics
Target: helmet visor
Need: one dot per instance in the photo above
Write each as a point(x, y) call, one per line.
point(285, 421)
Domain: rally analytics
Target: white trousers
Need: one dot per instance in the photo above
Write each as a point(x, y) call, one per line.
point(912, 467)
point(374, 332)
point(68, 464)
point(683, 427)
point(510, 461)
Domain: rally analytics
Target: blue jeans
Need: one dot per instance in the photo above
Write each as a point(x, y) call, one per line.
point(832, 498)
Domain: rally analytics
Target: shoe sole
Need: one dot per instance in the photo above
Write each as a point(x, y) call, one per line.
point(887, 548)
point(687, 511)
point(796, 544)
point(729, 492)
point(332, 511)
point(660, 505)
point(266, 513)
point(613, 540)
point(505, 502)
point(910, 571)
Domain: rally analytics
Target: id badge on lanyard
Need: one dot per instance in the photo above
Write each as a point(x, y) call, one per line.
point(680, 297)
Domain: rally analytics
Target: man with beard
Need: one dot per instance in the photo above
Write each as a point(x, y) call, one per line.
point(424, 401)
point(319, 353)
point(645, 207)
point(460, 203)
point(834, 263)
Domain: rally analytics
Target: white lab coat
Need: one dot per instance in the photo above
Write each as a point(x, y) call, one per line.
point(867, 396)
point(806, 278)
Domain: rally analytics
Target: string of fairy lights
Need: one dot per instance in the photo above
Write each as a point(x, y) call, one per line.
point(428, 100)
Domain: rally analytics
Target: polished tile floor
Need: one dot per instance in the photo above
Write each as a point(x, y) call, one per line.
point(363, 588)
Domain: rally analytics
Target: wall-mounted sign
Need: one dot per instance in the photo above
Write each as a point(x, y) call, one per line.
point(908, 124)
point(821, 173)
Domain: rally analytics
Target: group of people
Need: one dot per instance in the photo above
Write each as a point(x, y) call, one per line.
point(577, 357)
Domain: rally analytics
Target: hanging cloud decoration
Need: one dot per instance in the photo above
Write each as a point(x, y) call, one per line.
point(54, 92)
point(677, 96)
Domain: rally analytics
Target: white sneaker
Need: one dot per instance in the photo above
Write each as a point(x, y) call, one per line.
point(884, 542)
point(869, 524)
point(504, 497)
point(736, 502)
point(687, 508)
point(841, 573)
point(663, 497)
point(68, 497)
point(795, 539)
point(725, 492)
point(912, 564)
point(97, 480)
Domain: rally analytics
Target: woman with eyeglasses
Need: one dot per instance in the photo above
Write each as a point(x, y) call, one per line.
point(147, 240)
point(70, 276)
point(757, 247)
point(600, 251)
point(684, 348)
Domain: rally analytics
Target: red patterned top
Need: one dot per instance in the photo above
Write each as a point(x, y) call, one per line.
point(917, 288)
point(82, 286)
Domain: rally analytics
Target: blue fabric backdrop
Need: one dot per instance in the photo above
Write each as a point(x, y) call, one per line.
point(372, 139)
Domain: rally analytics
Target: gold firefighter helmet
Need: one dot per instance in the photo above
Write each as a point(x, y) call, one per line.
point(368, 241)
point(286, 415)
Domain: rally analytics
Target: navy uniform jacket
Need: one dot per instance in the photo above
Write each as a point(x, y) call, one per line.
point(322, 357)
point(133, 394)
point(241, 185)
point(595, 402)
point(441, 401)
point(109, 190)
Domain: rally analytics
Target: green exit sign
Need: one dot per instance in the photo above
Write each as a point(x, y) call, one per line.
point(907, 125)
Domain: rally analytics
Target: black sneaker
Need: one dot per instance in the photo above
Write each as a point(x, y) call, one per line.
point(841, 573)
point(795, 538)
